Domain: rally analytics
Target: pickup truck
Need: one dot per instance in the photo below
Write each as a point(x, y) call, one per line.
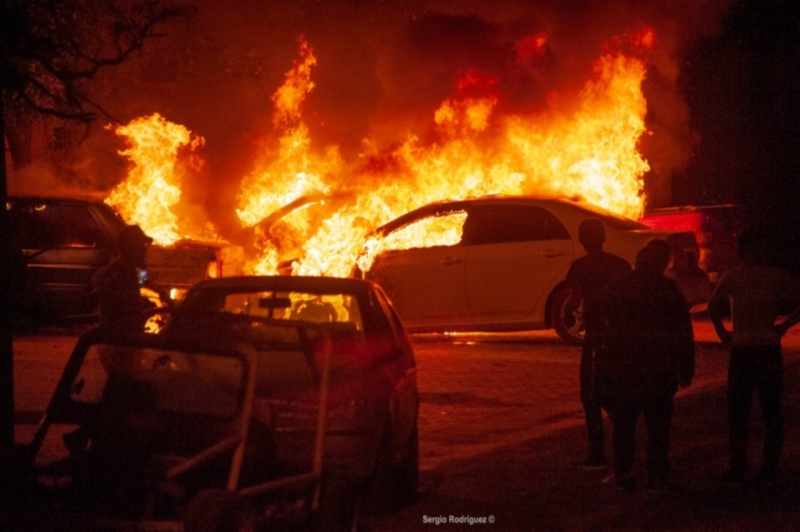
point(65, 240)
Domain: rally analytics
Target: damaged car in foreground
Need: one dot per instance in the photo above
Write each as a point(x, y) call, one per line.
point(263, 398)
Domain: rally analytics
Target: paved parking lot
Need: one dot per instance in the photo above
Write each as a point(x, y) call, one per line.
point(500, 422)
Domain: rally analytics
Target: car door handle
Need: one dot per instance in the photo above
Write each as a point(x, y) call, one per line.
point(450, 261)
point(552, 253)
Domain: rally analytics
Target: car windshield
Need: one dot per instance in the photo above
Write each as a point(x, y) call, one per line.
point(287, 306)
point(153, 379)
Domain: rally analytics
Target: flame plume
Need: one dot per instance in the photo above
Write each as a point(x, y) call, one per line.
point(591, 153)
point(153, 184)
point(305, 206)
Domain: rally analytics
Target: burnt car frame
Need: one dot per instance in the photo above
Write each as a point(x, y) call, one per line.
point(147, 429)
point(326, 399)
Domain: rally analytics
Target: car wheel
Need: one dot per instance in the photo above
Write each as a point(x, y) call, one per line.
point(392, 484)
point(566, 316)
point(338, 510)
point(406, 473)
point(216, 510)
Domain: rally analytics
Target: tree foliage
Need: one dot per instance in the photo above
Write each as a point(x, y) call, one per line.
point(51, 48)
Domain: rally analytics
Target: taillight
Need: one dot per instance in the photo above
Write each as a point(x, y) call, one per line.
point(176, 294)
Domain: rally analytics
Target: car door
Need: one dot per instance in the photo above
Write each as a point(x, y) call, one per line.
point(422, 271)
point(515, 255)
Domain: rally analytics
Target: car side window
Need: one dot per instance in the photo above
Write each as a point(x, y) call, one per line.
point(62, 226)
point(441, 229)
point(498, 224)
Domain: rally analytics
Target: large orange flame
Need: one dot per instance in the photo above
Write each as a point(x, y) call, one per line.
point(153, 184)
point(591, 153)
point(304, 206)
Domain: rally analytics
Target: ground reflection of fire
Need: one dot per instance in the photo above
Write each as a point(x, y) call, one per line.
point(586, 148)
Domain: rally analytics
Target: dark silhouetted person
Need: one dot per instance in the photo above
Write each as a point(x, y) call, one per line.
point(588, 275)
point(120, 304)
point(646, 354)
point(754, 294)
point(121, 310)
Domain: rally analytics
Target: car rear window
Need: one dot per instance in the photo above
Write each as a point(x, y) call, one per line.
point(289, 306)
point(51, 226)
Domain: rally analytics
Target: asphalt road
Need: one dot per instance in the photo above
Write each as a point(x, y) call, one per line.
point(500, 422)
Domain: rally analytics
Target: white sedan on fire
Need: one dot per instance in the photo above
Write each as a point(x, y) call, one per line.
point(499, 263)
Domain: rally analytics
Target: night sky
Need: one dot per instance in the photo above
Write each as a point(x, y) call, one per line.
point(723, 84)
point(743, 89)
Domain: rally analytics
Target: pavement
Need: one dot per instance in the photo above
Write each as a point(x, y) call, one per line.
point(530, 485)
point(501, 460)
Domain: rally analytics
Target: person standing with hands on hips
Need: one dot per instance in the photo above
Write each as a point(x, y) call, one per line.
point(755, 294)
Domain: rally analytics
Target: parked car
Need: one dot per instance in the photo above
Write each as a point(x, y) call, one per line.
point(715, 227)
point(65, 241)
point(499, 263)
point(373, 402)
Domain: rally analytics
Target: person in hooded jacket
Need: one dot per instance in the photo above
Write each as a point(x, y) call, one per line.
point(646, 354)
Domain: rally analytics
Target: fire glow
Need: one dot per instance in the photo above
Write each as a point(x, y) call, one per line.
point(153, 185)
point(587, 149)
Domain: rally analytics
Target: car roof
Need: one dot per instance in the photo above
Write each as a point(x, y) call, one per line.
point(570, 201)
point(287, 283)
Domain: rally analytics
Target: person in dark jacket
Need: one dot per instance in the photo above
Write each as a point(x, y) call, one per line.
point(121, 311)
point(588, 275)
point(120, 304)
point(756, 294)
point(646, 353)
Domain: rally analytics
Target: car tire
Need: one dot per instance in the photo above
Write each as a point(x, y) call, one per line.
point(566, 317)
point(406, 473)
point(392, 485)
point(216, 510)
point(338, 506)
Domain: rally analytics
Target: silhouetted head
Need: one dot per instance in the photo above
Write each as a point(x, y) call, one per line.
point(132, 244)
point(654, 257)
point(592, 233)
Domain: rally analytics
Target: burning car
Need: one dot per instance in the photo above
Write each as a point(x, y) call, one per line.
point(499, 263)
point(65, 241)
